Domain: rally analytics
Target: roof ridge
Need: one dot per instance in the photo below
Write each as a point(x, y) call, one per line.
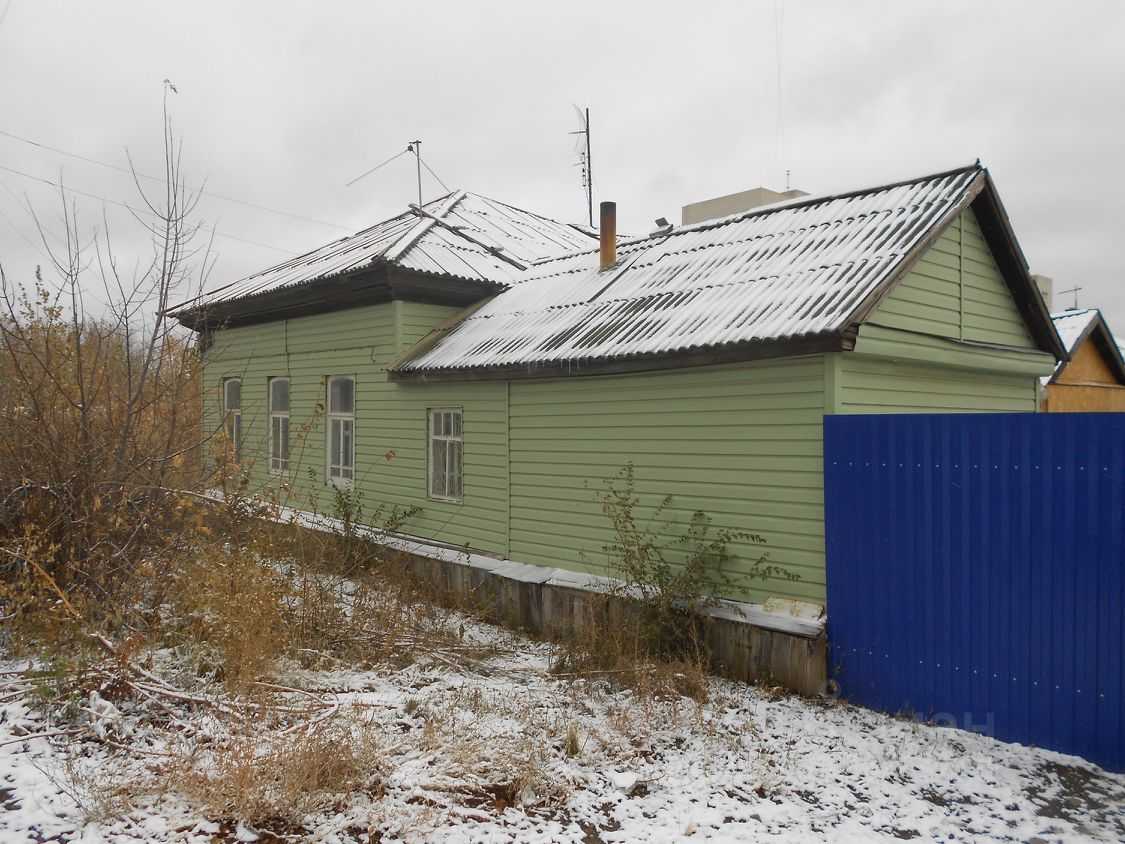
point(575, 226)
point(773, 208)
point(494, 251)
point(404, 244)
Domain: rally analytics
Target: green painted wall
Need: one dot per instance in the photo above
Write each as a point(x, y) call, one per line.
point(741, 442)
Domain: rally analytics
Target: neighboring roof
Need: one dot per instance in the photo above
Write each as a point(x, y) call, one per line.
point(1074, 327)
point(461, 235)
point(802, 274)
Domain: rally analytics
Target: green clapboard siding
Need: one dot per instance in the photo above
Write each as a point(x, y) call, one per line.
point(956, 291)
point(741, 443)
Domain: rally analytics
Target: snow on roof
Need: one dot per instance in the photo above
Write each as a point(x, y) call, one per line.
point(795, 269)
point(1071, 325)
point(461, 234)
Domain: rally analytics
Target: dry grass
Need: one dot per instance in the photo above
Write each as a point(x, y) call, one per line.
point(276, 779)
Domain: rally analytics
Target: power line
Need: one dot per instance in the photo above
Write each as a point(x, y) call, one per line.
point(136, 210)
point(131, 172)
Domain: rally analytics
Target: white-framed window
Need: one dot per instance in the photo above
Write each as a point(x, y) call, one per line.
point(445, 479)
point(341, 430)
point(279, 425)
point(232, 415)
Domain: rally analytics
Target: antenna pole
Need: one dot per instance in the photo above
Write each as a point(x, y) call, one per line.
point(416, 146)
point(589, 173)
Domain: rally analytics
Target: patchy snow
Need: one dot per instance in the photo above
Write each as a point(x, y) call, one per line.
point(498, 749)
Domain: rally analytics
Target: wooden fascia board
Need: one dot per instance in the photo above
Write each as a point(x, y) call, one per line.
point(1009, 257)
point(733, 353)
point(871, 303)
point(376, 283)
point(364, 287)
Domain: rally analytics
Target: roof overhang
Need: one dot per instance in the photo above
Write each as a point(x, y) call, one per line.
point(711, 356)
point(981, 196)
point(379, 282)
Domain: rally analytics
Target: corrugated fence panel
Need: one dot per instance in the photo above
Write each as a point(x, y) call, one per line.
point(976, 572)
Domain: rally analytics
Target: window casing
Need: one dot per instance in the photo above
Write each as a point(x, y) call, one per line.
point(279, 425)
point(341, 430)
point(232, 415)
point(445, 481)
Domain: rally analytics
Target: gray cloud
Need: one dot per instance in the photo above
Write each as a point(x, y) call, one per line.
point(281, 104)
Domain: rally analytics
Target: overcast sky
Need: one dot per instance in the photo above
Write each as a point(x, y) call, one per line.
point(281, 104)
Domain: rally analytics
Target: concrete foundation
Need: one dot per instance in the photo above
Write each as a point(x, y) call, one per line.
point(554, 603)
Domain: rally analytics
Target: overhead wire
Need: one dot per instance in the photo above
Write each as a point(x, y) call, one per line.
point(202, 191)
point(376, 167)
point(435, 175)
point(134, 209)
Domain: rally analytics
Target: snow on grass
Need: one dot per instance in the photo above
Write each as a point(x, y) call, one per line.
point(495, 749)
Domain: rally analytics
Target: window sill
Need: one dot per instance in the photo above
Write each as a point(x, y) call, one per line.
point(445, 500)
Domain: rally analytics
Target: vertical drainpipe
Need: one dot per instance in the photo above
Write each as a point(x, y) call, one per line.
point(608, 235)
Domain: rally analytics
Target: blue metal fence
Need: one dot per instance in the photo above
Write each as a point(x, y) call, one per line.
point(976, 572)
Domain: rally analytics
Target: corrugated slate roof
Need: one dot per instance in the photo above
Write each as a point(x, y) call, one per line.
point(797, 269)
point(462, 235)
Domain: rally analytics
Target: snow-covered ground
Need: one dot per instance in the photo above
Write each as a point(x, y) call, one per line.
point(498, 749)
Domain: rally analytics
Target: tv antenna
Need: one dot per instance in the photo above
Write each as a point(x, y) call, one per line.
point(416, 148)
point(584, 161)
point(1073, 290)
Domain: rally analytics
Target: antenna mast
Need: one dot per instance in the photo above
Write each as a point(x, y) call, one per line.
point(586, 163)
point(1075, 291)
point(416, 148)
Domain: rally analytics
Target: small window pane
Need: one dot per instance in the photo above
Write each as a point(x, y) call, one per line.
point(233, 397)
point(341, 395)
point(454, 469)
point(347, 449)
point(279, 395)
point(439, 468)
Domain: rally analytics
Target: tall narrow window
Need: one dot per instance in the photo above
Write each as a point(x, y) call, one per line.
point(232, 408)
point(341, 430)
point(279, 425)
point(445, 454)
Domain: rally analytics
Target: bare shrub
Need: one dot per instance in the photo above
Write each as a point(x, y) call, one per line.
point(648, 629)
point(99, 415)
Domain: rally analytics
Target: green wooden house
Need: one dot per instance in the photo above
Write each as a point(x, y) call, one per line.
point(492, 368)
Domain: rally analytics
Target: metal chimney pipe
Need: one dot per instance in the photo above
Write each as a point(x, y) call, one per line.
point(608, 235)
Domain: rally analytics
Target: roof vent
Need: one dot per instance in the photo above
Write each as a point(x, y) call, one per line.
point(662, 227)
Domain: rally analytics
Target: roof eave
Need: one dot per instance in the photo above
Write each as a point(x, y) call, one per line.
point(379, 281)
point(621, 365)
